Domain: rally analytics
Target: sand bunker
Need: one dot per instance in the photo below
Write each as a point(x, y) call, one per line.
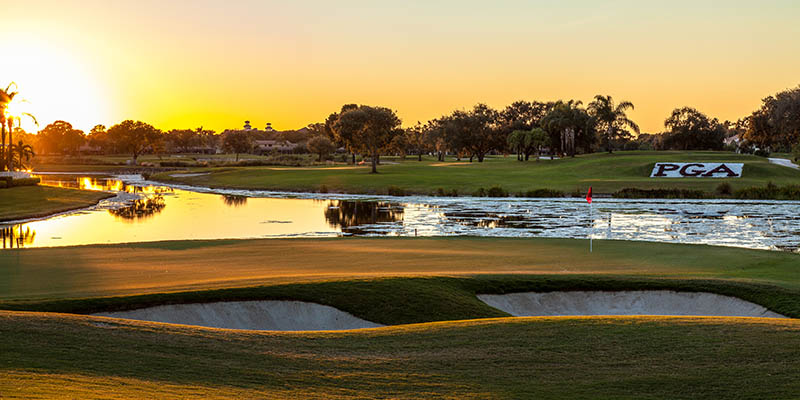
point(651, 302)
point(257, 315)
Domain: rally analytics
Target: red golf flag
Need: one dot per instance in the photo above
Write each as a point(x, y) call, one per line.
point(589, 195)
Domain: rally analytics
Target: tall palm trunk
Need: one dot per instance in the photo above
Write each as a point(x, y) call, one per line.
point(10, 159)
point(3, 147)
point(608, 137)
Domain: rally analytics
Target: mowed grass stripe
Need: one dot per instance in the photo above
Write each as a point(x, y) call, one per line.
point(131, 269)
point(54, 355)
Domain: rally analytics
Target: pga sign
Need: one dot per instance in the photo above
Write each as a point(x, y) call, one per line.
point(697, 170)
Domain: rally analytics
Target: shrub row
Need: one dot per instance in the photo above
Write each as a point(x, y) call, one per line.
point(636, 193)
point(7, 182)
point(769, 192)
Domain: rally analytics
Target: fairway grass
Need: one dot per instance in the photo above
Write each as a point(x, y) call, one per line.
point(24, 202)
point(69, 356)
point(443, 343)
point(156, 267)
point(606, 173)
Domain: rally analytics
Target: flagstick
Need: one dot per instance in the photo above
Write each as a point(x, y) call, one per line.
point(591, 226)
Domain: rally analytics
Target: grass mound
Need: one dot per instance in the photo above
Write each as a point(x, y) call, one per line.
point(50, 355)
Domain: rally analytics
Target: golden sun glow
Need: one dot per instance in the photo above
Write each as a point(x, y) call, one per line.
point(52, 85)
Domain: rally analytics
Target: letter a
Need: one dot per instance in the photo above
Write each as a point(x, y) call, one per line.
point(722, 168)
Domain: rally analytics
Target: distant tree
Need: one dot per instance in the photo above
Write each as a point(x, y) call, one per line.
point(415, 138)
point(320, 145)
point(527, 142)
point(237, 142)
point(134, 137)
point(367, 130)
point(182, 139)
point(318, 129)
point(328, 128)
point(689, 129)
point(521, 116)
point(568, 126)
point(98, 137)
point(612, 119)
point(776, 125)
point(399, 145)
point(440, 137)
point(474, 133)
point(207, 138)
point(61, 137)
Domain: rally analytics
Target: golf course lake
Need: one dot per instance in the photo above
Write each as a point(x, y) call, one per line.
point(146, 211)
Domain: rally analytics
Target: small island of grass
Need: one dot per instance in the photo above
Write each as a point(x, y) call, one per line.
point(24, 202)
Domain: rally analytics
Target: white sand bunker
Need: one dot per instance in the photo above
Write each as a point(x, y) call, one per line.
point(650, 302)
point(270, 315)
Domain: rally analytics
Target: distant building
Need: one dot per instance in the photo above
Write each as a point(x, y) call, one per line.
point(247, 126)
point(271, 146)
point(269, 127)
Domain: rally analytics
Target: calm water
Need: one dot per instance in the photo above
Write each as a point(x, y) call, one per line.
point(147, 212)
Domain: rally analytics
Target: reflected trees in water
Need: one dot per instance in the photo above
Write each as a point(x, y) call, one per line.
point(15, 237)
point(350, 215)
point(232, 200)
point(140, 209)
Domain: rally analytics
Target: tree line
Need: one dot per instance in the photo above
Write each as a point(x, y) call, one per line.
point(523, 128)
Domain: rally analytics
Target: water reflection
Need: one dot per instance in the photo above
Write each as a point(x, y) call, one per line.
point(99, 183)
point(15, 237)
point(352, 217)
point(162, 213)
point(232, 200)
point(140, 209)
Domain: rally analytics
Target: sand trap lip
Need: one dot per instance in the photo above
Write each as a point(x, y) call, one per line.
point(272, 315)
point(640, 302)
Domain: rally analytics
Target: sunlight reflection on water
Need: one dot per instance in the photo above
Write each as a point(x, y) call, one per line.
point(146, 211)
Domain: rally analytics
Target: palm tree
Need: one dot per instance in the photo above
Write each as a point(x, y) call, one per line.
point(6, 120)
point(613, 117)
point(5, 97)
point(563, 122)
point(20, 153)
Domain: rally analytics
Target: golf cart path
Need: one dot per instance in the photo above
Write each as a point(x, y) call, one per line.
point(785, 162)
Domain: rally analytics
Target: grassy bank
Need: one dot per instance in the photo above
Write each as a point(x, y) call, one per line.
point(605, 173)
point(39, 201)
point(54, 356)
point(139, 268)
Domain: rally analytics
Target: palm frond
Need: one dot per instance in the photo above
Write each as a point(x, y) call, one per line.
point(31, 117)
point(632, 125)
point(622, 106)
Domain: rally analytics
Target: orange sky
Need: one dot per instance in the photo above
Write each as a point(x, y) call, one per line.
point(183, 64)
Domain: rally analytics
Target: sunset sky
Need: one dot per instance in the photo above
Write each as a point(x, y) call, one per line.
point(183, 64)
